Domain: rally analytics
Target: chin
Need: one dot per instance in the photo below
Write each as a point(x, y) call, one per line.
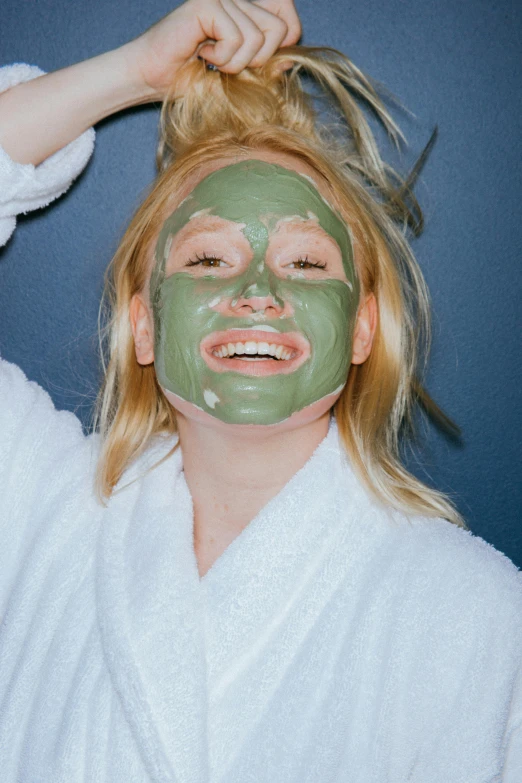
point(308, 415)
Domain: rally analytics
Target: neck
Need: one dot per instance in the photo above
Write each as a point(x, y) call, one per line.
point(233, 471)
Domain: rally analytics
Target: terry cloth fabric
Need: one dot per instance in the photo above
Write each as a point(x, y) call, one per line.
point(27, 187)
point(334, 640)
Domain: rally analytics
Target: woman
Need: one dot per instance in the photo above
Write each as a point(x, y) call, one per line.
point(270, 596)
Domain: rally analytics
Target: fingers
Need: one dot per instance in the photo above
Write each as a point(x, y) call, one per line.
point(284, 10)
point(226, 33)
point(246, 34)
point(273, 28)
point(253, 37)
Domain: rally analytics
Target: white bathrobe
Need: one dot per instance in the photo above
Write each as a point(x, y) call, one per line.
point(334, 641)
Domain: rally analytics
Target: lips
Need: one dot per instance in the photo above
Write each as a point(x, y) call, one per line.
point(291, 347)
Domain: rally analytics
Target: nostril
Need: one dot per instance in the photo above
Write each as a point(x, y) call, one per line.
point(257, 304)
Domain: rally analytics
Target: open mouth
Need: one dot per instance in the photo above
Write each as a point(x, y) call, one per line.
point(255, 351)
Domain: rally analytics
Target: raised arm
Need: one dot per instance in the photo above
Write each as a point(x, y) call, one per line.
point(45, 140)
point(44, 132)
point(230, 34)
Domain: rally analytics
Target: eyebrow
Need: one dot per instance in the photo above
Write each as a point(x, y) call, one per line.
point(309, 228)
point(206, 227)
point(313, 230)
point(202, 228)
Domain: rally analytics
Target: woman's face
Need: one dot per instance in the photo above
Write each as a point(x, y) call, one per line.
point(254, 296)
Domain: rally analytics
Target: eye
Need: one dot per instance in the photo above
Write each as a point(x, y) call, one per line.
point(304, 263)
point(209, 262)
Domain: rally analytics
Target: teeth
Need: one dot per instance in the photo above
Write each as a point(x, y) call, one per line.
point(252, 348)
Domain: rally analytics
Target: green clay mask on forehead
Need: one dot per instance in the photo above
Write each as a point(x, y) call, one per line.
point(321, 312)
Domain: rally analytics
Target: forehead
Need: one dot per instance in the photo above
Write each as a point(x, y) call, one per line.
point(256, 191)
point(253, 187)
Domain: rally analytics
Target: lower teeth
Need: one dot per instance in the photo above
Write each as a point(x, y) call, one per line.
point(246, 358)
point(253, 358)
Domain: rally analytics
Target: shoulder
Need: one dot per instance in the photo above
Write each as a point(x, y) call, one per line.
point(465, 573)
point(461, 548)
point(429, 555)
point(24, 401)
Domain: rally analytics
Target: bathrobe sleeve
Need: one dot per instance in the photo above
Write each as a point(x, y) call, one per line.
point(42, 450)
point(24, 187)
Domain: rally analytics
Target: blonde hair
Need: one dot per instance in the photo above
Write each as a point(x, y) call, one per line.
point(223, 116)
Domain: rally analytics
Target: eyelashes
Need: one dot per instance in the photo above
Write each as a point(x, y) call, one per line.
point(213, 262)
point(305, 263)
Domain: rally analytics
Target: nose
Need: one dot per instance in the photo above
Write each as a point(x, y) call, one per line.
point(259, 295)
point(252, 301)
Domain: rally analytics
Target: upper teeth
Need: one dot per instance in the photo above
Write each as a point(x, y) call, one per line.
point(251, 347)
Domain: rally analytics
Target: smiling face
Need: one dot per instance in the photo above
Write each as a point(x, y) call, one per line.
point(254, 295)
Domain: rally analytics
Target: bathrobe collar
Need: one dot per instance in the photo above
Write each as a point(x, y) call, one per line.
point(148, 596)
point(152, 603)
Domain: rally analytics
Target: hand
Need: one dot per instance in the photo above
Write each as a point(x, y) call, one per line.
point(39, 117)
point(230, 34)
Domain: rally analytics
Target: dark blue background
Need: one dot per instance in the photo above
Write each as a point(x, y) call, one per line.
point(457, 65)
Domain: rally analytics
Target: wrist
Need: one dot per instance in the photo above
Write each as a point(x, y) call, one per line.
point(137, 88)
point(113, 83)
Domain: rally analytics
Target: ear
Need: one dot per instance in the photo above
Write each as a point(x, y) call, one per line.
point(142, 329)
point(365, 326)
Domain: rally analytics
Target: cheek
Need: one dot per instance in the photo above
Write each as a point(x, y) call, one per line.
point(180, 300)
point(186, 308)
point(326, 315)
point(326, 312)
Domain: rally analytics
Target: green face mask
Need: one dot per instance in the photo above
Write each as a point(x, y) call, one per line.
point(256, 195)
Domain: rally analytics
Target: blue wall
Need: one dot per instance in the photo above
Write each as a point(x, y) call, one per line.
point(457, 65)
